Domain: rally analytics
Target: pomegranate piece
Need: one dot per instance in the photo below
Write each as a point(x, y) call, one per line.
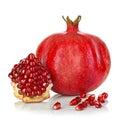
point(78, 62)
point(57, 106)
point(31, 81)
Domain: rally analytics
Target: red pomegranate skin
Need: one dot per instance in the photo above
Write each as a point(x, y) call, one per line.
point(78, 62)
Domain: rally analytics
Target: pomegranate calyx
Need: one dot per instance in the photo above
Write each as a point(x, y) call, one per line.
point(72, 25)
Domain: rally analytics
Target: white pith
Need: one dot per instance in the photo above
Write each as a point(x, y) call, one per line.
point(40, 98)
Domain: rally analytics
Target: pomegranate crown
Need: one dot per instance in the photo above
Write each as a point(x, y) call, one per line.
point(72, 25)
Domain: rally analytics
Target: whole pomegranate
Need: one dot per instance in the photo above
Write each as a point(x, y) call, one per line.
point(78, 62)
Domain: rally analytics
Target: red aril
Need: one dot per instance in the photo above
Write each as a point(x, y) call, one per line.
point(57, 106)
point(97, 104)
point(102, 97)
point(91, 97)
point(83, 95)
point(78, 62)
point(79, 107)
point(75, 101)
point(85, 103)
point(105, 95)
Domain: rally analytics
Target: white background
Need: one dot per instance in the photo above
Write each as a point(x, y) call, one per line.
point(25, 23)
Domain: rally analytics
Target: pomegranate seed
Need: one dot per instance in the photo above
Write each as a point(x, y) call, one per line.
point(83, 95)
point(57, 106)
point(79, 107)
point(10, 75)
point(28, 89)
point(39, 92)
point(31, 56)
point(23, 81)
point(19, 85)
point(23, 91)
point(75, 101)
point(101, 98)
point(105, 95)
point(97, 104)
point(28, 94)
point(25, 76)
point(85, 103)
point(32, 69)
point(33, 93)
point(35, 87)
point(32, 63)
point(43, 89)
point(91, 102)
point(27, 72)
point(91, 97)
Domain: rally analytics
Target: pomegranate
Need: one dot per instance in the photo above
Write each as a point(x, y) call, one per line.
point(78, 62)
point(30, 80)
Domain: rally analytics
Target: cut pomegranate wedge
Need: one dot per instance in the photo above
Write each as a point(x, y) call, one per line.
point(31, 81)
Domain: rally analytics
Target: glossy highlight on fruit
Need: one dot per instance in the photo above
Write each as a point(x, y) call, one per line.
point(30, 80)
point(78, 62)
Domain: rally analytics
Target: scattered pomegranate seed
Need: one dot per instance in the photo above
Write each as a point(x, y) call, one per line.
point(57, 106)
point(105, 95)
point(79, 107)
point(91, 97)
point(75, 101)
point(83, 95)
point(100, 98)
point(89, 101)
point(97, 104)
point(85, 103)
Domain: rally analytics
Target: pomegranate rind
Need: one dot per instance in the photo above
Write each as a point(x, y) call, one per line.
point(26, 99)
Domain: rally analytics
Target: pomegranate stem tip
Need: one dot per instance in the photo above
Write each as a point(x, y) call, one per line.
point(69, 21)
